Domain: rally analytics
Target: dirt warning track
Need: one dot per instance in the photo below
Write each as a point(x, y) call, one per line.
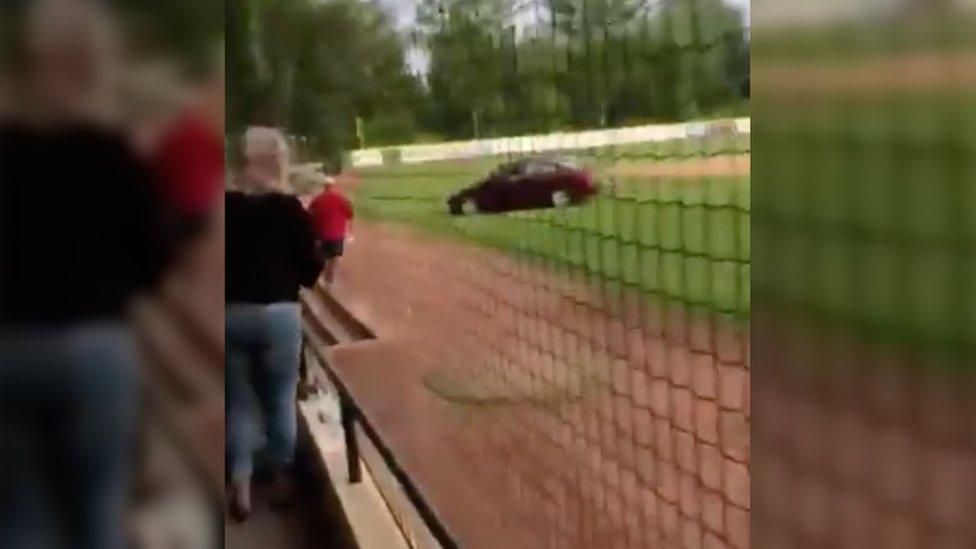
point(564, 413)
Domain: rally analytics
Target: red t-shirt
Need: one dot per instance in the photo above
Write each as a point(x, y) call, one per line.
point(331, 213)
point(190, 160)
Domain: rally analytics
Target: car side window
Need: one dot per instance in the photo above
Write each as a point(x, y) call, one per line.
point(540, 168)
point(508, 170)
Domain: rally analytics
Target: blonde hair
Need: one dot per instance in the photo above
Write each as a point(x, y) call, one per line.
point(267, 149)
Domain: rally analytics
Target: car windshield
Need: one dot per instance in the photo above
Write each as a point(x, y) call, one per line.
point(508, 170)
point(541, 168)
point(565, 163)
point(532, 166)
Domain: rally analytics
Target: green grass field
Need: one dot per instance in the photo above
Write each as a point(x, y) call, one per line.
point(685, 239)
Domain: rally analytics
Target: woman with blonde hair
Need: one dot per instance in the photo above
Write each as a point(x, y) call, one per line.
point(270, 255)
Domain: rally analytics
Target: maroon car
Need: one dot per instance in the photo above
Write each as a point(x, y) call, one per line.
point(526, 184)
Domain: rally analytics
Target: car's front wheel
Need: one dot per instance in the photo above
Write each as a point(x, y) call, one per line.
point(469, 206)
point(560, 198)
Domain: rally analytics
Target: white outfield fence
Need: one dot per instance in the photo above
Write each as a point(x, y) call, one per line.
point(562, 141)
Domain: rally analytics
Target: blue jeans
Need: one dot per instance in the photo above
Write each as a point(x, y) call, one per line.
point(262, 346)
point(67, 411)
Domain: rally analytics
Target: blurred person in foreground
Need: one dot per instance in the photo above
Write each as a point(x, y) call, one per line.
point(190, 160)
point(331, 212)
point(178, 128)
point(81, 236)
point(270, 255)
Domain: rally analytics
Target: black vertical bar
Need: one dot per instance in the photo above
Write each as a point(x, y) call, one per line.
point(514, 54)
point(303, 363)
point(552, 38)
point(606, 86)
point(348, 413)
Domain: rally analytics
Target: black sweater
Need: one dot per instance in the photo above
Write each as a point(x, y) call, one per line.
point(270, 248)
point(81, 230)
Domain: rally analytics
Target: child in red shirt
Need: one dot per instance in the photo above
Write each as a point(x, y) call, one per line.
point(331, 214)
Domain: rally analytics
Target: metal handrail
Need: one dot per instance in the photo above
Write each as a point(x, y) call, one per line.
point(352, 414)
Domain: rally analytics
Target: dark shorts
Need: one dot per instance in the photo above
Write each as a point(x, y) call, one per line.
point(330, 249)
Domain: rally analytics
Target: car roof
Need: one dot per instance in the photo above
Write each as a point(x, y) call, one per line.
point(562, 161)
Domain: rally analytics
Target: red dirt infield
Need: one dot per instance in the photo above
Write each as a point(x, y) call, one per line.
point(536, 408)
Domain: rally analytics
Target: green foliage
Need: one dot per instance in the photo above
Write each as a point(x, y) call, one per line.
point(582, 64)
point(312, 67)
point(585, 63)
point(390, 129)
point(190, 29)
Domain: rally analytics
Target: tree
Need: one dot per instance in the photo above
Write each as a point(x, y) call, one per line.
point(316, 66)
point(589, 63)
point(491, 69)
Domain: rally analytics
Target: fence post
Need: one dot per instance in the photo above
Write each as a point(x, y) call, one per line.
point(303, 381)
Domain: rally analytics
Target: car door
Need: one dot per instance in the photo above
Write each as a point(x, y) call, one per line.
point(499, 192)
point(534, 187)
point(494, 194)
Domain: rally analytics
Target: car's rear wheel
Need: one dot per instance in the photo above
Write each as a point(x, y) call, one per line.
point(560, 198)
point(469, 206)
